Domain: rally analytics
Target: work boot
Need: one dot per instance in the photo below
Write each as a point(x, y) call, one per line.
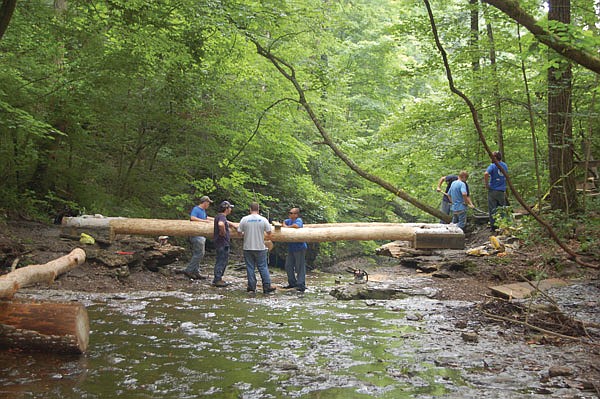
point(194, 275)
point(220, 284)
point(268, 289)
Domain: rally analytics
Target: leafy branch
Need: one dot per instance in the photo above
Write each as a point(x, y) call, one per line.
point(289, 73)
point(546, 36)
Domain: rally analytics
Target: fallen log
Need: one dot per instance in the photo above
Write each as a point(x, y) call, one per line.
point(421, 235)
point(33, 274)
point(46, 326)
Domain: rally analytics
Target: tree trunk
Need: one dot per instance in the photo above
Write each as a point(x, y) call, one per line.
point(560, 136)
point(534, 145)
point(53, 327)
point(496, 92)
point(29, 275)
point(6, 11)
point(419, 234)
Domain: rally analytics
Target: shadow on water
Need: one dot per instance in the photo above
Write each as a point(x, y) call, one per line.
point(231, 345)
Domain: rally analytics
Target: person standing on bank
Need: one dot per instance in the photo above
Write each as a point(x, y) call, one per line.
point(495, 183)
point(198, 243)
point(460, 200)
point(295, 261)
point(254, 227)
point(222, 241)
point(445, 206)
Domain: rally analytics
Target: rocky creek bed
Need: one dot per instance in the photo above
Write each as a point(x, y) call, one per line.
point(528, 349)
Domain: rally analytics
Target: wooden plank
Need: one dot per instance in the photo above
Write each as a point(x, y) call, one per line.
point(524, 289)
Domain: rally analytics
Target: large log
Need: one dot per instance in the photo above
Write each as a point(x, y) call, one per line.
point(442, 235)
point(46, 326)
point(33, 274)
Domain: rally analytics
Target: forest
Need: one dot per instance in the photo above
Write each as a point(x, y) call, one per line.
point(350, 110)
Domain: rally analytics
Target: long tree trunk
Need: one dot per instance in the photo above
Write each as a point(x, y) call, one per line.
point(496, 92)
point(560, 135)
point(534, 143)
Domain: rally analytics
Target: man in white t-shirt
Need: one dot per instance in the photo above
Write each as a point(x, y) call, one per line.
point(254, 227)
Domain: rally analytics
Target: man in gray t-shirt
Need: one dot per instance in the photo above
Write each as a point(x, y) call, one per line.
point(254, 227)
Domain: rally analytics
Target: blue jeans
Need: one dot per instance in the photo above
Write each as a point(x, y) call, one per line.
point(295, 267)
point(257, 260)
point(221, 263)
point(460, 218)
point(198, 244)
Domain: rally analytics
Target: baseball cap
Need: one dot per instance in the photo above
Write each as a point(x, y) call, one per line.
point(224, 205)
point(205, 199)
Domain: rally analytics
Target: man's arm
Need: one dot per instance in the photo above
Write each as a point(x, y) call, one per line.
point(440, 182)
point(486, 179)
point(467, 199)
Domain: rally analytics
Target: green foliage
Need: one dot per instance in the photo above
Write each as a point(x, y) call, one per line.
point(136, 108)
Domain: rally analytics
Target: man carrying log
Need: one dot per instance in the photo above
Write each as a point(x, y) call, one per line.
point(198, 243)
point(295, 261)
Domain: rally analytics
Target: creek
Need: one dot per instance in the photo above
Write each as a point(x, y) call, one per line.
point(230, 344)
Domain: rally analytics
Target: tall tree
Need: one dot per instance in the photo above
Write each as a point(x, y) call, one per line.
point(560, 123)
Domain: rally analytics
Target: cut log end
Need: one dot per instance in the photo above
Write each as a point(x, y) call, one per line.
point(44, 326)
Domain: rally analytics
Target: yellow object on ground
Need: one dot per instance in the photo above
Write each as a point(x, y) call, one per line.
point(496, 243)
point(86, 239)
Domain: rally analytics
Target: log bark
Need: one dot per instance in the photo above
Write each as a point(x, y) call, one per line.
point(45, 326)
point(420, 234)
point(33, 274)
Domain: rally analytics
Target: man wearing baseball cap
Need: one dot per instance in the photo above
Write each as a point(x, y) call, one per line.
point(221, 240)
point(198, 214)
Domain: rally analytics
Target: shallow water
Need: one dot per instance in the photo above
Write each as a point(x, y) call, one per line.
point(230, 344)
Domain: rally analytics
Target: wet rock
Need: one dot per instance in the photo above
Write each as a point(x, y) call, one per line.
point(557, 371)
point(414, 317)
point(460, 324)
point(470, 337)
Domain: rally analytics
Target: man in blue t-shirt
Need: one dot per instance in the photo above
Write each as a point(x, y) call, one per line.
point(445, 206)
point(495, 182)
point(198, 243)
point(295, 261)
point(460, 198)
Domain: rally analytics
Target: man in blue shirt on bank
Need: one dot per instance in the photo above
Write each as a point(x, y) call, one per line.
point(459, 195)
point(495, 182)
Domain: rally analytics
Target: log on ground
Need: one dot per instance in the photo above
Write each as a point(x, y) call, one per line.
point(33, 274)
point(44, 326)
